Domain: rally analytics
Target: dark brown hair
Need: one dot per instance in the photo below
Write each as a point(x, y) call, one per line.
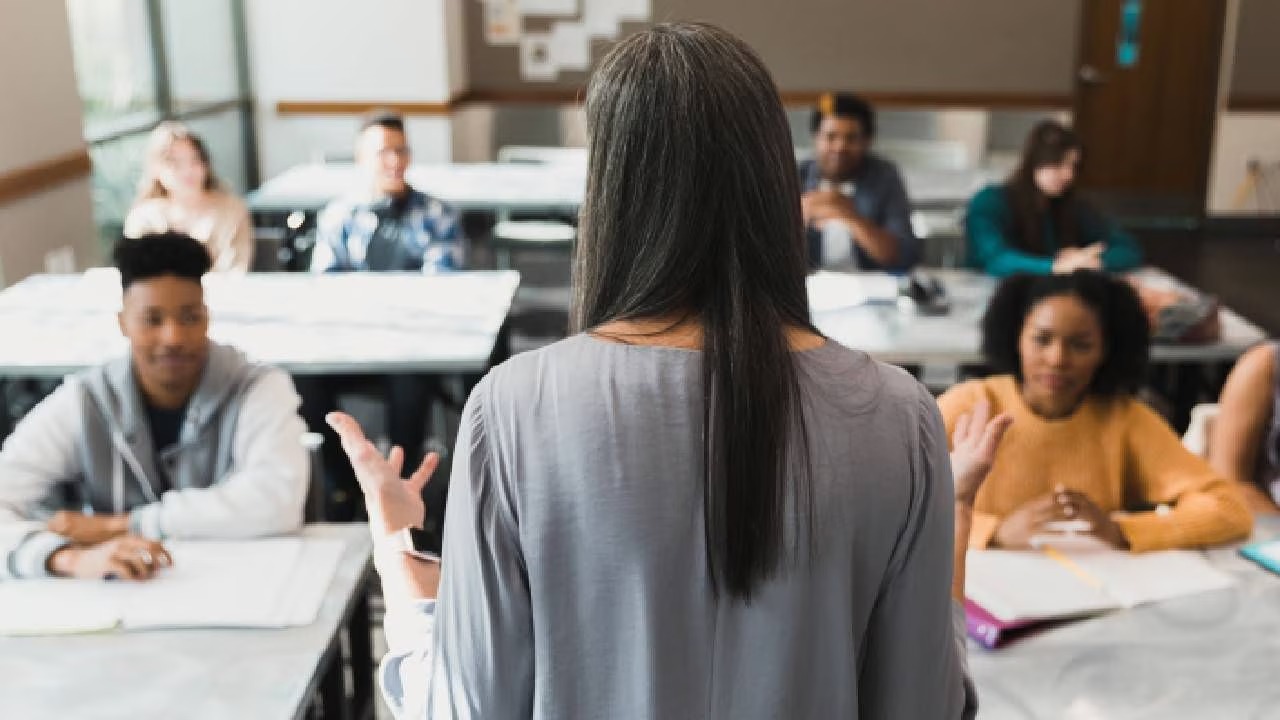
point(1048, 144)
point(693, 211)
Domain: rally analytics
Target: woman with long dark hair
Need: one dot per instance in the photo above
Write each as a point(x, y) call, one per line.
point(1037, 223)
point(698, 506)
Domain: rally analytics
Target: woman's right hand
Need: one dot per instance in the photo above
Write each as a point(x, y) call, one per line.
point(393, 503)
point(128, 557)
point(1016, 530)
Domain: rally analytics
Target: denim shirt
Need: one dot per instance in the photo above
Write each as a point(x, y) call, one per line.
point(881, 197)
point(414, 233)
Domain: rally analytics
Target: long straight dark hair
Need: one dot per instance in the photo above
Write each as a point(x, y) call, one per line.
point(1048, 143)
point(693, 211)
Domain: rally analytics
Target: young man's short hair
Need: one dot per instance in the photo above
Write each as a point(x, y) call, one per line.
point(160, 254)
point(387, 119)
point(846, 105)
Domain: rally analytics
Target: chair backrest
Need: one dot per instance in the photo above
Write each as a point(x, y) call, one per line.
point(1200, 429)
point(313, 509)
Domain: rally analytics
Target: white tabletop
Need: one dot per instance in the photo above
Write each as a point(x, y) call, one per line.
point(517, 186)
point(507, 186)
point(191, 674)
point(1215, 655)
point(307, 324)
point(876, 325)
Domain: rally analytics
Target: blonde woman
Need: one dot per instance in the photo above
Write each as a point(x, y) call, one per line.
point(180, 193)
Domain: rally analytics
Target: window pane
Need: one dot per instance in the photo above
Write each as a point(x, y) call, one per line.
point(224, 137)
point(112, 48)
point(200, 43)
point(117, 166)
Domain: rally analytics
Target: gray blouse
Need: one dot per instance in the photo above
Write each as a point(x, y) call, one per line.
point(575, 582)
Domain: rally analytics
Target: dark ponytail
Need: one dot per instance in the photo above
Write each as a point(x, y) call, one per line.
point(693, 211)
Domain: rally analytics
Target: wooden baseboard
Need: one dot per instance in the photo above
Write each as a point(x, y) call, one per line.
point(37, 178)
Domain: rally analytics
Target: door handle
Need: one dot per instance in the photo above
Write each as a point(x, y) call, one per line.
point(1090, 75)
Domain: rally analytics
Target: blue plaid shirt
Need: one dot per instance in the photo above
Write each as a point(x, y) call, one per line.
point(414, 233)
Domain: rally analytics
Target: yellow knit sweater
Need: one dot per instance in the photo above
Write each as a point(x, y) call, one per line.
point(1116, 451)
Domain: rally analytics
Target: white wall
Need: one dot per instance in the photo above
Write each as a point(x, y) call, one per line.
point(316, 50)
point(39, 123)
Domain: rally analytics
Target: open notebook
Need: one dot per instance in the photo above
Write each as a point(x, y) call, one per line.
point(274, 582)
point(1015, 587)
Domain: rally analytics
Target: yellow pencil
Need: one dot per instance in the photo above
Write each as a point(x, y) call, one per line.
point(1071, 565)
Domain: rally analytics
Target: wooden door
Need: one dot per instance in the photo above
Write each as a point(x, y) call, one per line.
point(1146, 99)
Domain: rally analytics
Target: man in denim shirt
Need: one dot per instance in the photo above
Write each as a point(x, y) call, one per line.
point(386, 227)
point(389, 226)
point(855, 205)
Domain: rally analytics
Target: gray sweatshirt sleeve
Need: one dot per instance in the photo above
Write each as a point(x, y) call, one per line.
point(474, 647)
point(912, 667)
point(40, 452)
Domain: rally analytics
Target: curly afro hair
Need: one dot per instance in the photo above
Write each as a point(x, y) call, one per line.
point(160, 254)
point(1125, 330)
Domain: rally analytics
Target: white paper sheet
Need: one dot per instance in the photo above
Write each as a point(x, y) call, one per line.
point(537, 60)
point(502, 22)
point(270, 583)
point(602, 18)
point(833, 291)
point(571, 46)
point(549, 7)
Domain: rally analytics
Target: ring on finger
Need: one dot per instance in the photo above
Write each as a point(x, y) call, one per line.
point(145, 556)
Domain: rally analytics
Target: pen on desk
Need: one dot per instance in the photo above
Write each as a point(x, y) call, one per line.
point(1071, 565)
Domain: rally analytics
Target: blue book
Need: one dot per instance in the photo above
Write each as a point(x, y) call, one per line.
point(1265, 553)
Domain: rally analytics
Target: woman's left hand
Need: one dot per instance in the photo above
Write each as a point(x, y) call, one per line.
point(393, 504)
point(1075, 505)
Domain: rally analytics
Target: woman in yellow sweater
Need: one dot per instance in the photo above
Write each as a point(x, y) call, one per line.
point(1072, 351)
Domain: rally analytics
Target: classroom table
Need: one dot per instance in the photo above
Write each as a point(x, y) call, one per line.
point(350, 323)
point(214, 674)
point(873, 322)
point(502, 187)
point(518, 186)
point(1214, 655)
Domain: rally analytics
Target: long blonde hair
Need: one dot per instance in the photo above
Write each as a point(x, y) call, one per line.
point(161, 142)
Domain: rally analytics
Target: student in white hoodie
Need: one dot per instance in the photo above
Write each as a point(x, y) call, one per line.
point(181, 438)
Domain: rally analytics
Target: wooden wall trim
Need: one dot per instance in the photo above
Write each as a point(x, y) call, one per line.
point(1254, 103)
point(798, 98)
point(33, 179)
point(571, 96)
point(359, 107)
point(944, 100)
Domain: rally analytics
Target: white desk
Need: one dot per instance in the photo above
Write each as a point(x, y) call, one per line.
point(197, 674)
point(467, 186)
point(307, 324)
point(515, 186)
point(891, 335)
point(1215, 655)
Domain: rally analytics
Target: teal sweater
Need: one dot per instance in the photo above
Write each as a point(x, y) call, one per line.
point(987, 230)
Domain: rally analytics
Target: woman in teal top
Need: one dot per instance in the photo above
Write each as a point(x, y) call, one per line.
point(1036, 222)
